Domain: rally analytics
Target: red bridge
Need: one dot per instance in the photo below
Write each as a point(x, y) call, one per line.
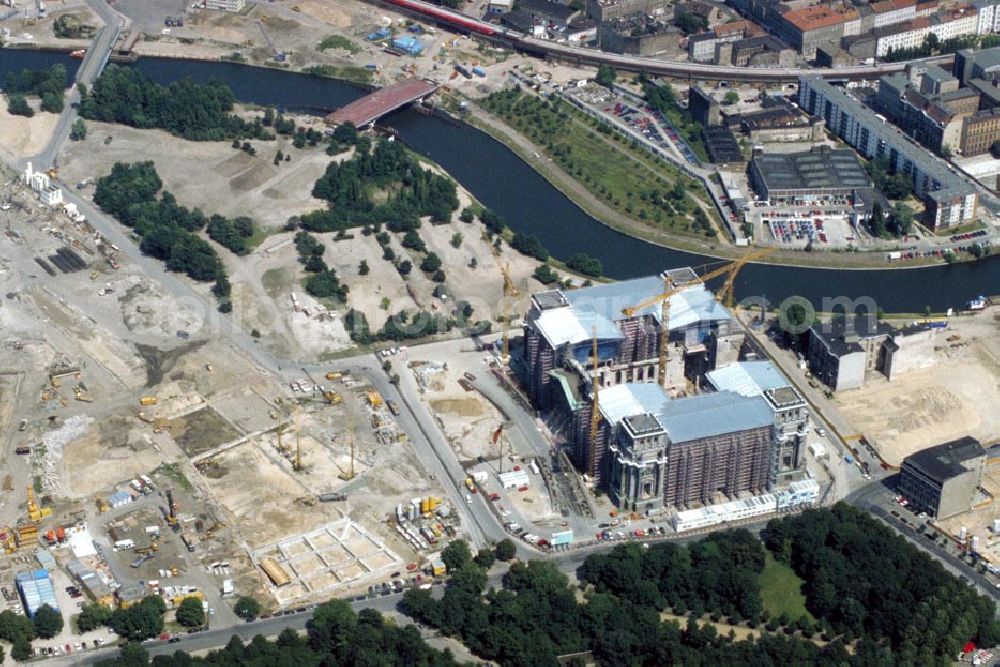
point(371, 107)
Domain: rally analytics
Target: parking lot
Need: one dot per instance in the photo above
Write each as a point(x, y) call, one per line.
point(798, 226)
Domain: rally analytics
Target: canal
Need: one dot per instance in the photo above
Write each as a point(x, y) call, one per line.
point(502, 181)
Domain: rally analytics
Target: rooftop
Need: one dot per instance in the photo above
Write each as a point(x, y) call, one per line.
point(36, 590)
point(841, 334)
point(942, 462)
point(818, 16)
point(747, 378)
point(895, 140)
point(600, 307)
point(817, 169)
point(891, 5)
point(685, 419)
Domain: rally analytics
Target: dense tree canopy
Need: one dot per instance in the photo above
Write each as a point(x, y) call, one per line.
point(865, 579)
point(140, 621)
point(48, 622)
point(190, 613)
point(198, 112)
point(390, 170)
point(129, 193)
point(36, 81)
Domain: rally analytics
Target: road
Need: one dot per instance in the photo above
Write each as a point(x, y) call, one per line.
point(877, 499)
point(93, 63)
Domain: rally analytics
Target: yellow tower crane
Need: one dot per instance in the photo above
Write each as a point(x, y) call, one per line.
point(669, 290)
point(509, 291)
point(595, 413)
point(726, 295)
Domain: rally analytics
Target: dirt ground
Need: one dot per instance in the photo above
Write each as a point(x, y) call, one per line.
point(41, 30)
point(466, 418)
point(211, 175)
point(958, 396)
point(22, 137)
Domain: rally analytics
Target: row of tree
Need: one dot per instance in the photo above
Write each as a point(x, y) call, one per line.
point(167, 229)
point(389, 171)
point(336, 636)
point(48, 84)
point(198, 112)
point(20, 630)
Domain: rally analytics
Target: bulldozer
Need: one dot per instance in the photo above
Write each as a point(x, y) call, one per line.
point(332, 397)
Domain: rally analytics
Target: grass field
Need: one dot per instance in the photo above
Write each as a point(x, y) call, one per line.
point(656, 194)
point(781, 591)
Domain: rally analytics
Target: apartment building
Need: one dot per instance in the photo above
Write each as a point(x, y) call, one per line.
point(804, 29)
point(950, 200)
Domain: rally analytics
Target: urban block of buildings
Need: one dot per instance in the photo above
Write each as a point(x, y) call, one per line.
point(841, 352)
point(943, 480)
point(950, 200)
point(928, 104)
point(655, 448)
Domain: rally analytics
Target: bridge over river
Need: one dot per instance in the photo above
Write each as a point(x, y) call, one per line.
point(371, 107)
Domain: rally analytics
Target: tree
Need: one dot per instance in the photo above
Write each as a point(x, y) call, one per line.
point(79, 130)
point(605, 76)
point(456, 240)
point(247, 608)
point(505, 549)
point(456, 555)
point(93, 616)
point(900, 220)
point(690, 23)
point(346, 134)
point(15, 627)
point(190, 613)
point(732, 97)
point(18, 106)
point(544, 274)
point(363, 268)
point(132, 655)
point(140, 621)
point(413, 241)
point(405, 267)
point(484, 558)
point(52, 102)
point(48, 622)
point(876, 222)
point(431, 263)
point(584, 264)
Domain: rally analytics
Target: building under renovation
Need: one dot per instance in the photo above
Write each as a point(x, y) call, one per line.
point(561, 328)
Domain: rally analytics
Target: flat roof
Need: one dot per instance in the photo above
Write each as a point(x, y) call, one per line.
point(944, 461)
point(747, 378)
point(827, 169)
point(707, 415)
point(685, 419)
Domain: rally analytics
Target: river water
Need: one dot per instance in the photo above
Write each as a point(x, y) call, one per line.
point(502, 181)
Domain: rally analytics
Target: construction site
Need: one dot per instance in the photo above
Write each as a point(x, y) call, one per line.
point(954, 398)
point(153, 451)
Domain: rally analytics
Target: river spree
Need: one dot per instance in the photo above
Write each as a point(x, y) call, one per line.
point(505, 183)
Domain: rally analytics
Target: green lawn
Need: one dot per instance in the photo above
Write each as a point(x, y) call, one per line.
point(780, 589)
point(620, 175)
point(338, 42)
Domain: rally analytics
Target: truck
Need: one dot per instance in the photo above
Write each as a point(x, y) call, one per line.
point(463, 71)
point(22, 451)
point(187, 542)
point(393, 407)
point(147, 400)
point(479, 71)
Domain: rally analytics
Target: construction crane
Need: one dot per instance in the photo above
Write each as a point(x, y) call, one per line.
point(726, 295)
point(595, 413)
point(348, 475)
point(297, 466)
point(669, 290)
point(509, 291)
